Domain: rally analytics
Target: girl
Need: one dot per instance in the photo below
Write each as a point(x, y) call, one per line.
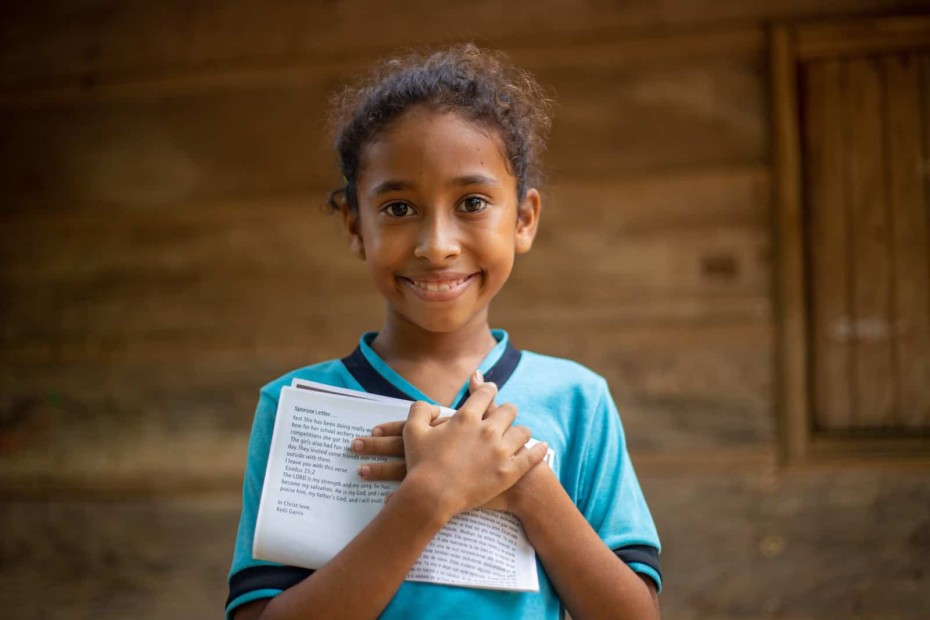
point(440, 156)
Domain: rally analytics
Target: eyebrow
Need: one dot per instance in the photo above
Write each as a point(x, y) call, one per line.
point(394, 185)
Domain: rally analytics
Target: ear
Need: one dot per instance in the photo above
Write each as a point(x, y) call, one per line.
point(527, 220)
point(352, 225)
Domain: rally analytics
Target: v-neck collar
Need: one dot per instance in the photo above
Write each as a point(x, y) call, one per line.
point(376, 377)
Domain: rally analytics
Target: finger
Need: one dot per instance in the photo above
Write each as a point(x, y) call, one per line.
point(382, 446)
point(475, 381)
point(500, 418)
point(528, 458)
point(515, 438)
point(389, 429)
point(479, 401)
point(421, 414)
point(391, 470)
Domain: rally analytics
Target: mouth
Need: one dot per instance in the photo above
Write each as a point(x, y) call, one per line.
point(439, 287)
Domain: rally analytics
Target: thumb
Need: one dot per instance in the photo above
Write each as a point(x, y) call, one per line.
point(528, 458)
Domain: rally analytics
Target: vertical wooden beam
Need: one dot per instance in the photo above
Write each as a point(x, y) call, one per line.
point(790, 302)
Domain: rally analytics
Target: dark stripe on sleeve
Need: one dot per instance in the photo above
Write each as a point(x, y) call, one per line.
point(369, 378)
point(642, 554)
point(265, 578)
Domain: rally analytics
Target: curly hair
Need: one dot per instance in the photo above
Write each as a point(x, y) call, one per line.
point(482, 86)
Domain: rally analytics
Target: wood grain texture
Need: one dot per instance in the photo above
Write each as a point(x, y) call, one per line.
point(870, 240)
point(84, 41)
point(828, 238)
point(155, 151)
point(847, 38)
point(910, 212)
point(789, 293)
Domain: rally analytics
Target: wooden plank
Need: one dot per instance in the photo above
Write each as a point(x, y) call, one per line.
point(863, 37)
point(622, 120)
point(85, 43)
point(873, 374)
point(791, 346)
point(159, 152)
point(260, 70)
point(911, 242)
point(829, 254)
point(180, 289)
point(908, 79)
point(925, 168)
point(732, 195)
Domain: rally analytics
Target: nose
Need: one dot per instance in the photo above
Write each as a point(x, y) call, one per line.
point(438, 239)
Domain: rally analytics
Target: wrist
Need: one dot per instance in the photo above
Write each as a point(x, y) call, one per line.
point(526, 496)
point(426, 499)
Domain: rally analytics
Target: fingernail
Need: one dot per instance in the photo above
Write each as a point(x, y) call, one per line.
point(377, 431)
point(479, 377)
point(358, 445)
point(364, 470)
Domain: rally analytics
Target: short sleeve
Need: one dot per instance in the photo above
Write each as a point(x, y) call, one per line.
point(609, 494)
point(251, 579)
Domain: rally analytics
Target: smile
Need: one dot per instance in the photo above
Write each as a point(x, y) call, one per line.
point(438, 289)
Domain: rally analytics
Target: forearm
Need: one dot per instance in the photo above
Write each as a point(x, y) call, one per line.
point(590, 579)
point(360, 581)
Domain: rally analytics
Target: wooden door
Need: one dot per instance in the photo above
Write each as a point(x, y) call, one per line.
point(866, 131)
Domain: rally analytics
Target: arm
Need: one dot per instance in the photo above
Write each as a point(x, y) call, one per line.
point(452, 467)
point(360, 581)
point(589, 578)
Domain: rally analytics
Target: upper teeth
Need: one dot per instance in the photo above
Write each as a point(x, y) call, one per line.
point(438, 286)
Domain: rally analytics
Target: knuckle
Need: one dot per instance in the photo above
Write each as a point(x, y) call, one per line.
point(420, 406)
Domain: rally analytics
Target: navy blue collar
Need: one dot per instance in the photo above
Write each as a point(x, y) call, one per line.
point(374, 382)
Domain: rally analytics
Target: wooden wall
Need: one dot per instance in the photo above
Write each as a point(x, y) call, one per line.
point(164, 254)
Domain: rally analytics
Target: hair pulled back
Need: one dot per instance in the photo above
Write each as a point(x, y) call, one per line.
point(481, 86)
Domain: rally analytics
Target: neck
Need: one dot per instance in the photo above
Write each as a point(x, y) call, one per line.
point(401, 340)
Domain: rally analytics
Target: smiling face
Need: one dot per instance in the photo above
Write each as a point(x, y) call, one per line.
point(438, 221)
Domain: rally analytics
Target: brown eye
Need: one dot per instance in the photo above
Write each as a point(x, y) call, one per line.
point(473, 204)
point(398, 209)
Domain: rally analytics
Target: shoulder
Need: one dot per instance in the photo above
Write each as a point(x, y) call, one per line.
point(331, 372)
point(560, 374)
point(560, 393)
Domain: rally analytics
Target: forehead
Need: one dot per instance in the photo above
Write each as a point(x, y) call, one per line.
point(429, 142)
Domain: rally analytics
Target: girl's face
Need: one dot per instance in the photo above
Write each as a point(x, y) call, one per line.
point(438, 221)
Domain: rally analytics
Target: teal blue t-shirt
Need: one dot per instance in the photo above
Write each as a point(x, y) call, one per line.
point(562, 403)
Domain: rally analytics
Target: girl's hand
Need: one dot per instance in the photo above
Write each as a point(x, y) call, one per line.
point(387, 440)
point(472, 458)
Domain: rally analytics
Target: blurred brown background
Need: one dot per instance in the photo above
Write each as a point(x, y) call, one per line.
point(735, 234)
